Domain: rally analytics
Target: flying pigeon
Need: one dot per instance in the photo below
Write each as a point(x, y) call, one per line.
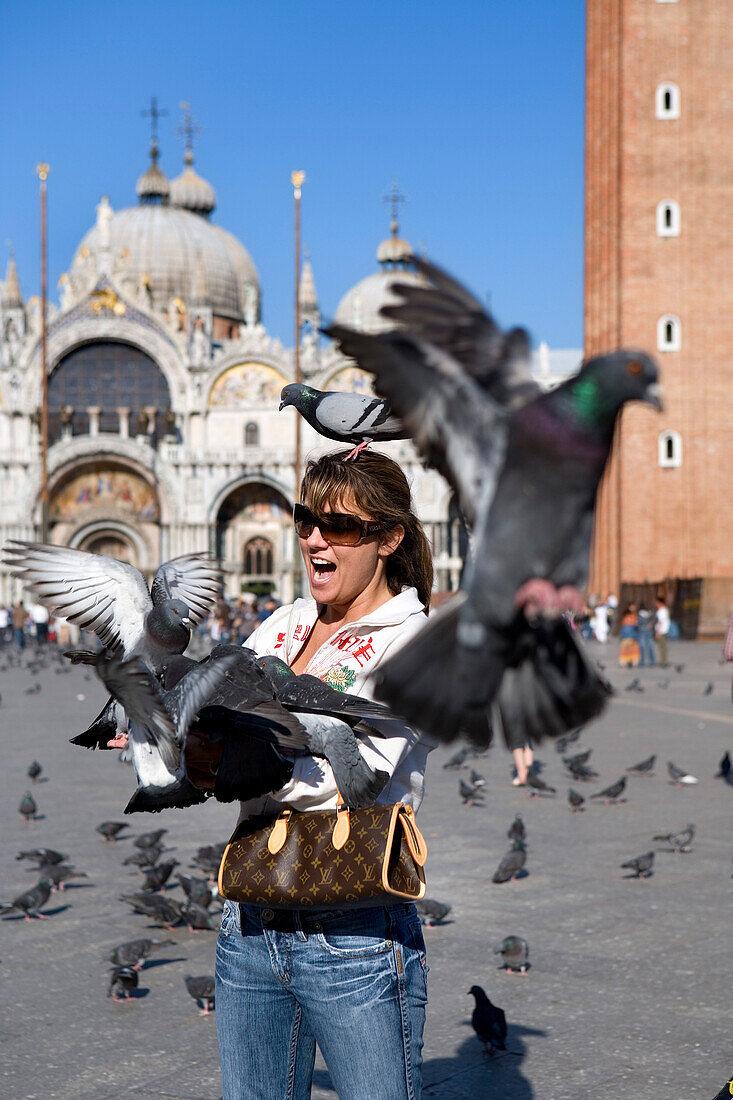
point(346, 417)
point(680, 842)
point(133, 953)
point(515, 953)
point(34, 771)
point(679, 776)
point(123, 980)
point(575, 800)
point(31, 901)
point(159, 723)
point(110, 830)
point(27, 808)
point(516, 829)
point(431, 912)
point(525, 467)
point(641, 865)
point(724, 767)
point(512, 863)
point(644, 767)
point(201, 989)
point(488, 1021)
point(612, 793)
point(538, 786)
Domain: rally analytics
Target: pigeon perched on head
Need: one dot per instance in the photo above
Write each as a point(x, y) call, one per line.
point(612, 793)
point(724, 767)
point(346, 417)
point(134, 952)
point(30, 902)
point(644, 767)
point(34, 771)
point(110, 830)
point(515, 954)
point(164, 911)
point(201, 989)
point(524, 466)
point(27, 808)
point(123, 980)
point(43, 855)
point(679, 842)
point(679, 776)
point(641, 865)
point(516, 829)
point(538, 786)
point(431, 912)
point(575, 800)
point(512, 863)
point(488, 1021)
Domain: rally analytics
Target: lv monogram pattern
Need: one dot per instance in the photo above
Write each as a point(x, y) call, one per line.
point(309, 871)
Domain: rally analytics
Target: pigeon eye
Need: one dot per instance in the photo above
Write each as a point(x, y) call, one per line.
point(635, 367)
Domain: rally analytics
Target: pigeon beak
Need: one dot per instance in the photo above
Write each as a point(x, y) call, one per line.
point(186, 621)
point(281, 406)
point(653, 396)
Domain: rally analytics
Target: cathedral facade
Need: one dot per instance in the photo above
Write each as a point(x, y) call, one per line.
point(163, 390)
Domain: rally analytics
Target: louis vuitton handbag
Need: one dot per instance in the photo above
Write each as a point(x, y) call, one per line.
point(321, 858)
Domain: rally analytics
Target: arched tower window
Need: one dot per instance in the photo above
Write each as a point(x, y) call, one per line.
point(669, 333)
point(107, 375)
point(252, 435)
point(668, 219)
point(670, 449)
point(258, 557)
point(667, 100)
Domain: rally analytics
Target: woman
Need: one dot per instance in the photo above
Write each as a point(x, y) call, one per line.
point(352, 981)
point(628, 654)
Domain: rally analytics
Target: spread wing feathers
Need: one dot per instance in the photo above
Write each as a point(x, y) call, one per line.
point(96, 592)
point(446, 314)
point(348, 413)
point(313, 696)
point(134, 686)
point(192, 578)
point(455, 426)
point(194, 690)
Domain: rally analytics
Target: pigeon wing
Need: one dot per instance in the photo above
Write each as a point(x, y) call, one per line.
point(94, 591)
point(193, 691)
point(134, 686)
point(349, 415)
point(193, 578)
point(455, 426)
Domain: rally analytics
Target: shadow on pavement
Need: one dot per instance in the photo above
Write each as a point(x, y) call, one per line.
point(472, 1071)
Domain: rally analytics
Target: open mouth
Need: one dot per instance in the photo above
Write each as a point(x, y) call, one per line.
point(322, 569)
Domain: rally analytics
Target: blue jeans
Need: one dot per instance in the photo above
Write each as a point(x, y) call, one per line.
point(646, 647)
point(352, 981)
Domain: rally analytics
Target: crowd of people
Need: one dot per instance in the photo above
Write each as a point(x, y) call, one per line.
point(643, 632)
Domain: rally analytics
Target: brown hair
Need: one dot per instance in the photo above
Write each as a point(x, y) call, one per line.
point(380, 489)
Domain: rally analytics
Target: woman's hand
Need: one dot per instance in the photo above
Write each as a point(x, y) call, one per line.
point(202, 759)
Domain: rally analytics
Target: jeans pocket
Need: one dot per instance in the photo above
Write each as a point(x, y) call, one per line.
point(229, 918)
point(345, 946)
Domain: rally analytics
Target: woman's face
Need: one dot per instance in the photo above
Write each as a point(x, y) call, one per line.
point(339, 575)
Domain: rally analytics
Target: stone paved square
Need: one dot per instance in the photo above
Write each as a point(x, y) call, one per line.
point(628, 994)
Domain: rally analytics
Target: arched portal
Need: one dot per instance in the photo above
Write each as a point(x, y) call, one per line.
point(255, 541)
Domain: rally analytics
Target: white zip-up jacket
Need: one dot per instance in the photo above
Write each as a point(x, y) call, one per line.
point(345, 662)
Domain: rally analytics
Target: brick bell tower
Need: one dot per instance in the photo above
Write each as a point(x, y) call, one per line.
point(659, 276)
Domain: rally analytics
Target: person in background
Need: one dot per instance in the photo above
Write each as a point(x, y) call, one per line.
point(662, 630)
point(19, 620)
point(5, 616)
point(267, 609)
point(600, 622)
point(523, 761)
point(40, 616)
point(645, 621)
point(246, 620)
point(628, 654)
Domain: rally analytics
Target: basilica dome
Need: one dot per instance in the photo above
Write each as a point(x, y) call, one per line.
point(360, 306)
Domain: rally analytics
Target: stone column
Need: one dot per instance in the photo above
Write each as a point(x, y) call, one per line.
point(93, 412)
point(123, 421)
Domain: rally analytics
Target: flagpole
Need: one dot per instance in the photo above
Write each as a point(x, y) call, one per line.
point(297, 180)
point(42, 171)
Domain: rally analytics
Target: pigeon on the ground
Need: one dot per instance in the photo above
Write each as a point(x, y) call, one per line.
point(163, 910)
point(679, 776)
point(34, 689)
point(709, 688)
point(635, 685)
point(582, 773)
point(612, 793)
point(724, 767)
point(201, 989)
point(110, 830)
point(538, 786)
point(562, 743)
point(469, 793)
point(197, 890)
point(34, 771)
point(196, 917)
point(123, 980)
point(525, 466)
point(27, 808)
point(644, 767)
point(578, 758)
point(157, 876)
point(134, 952)
point(58, 874)
point(431, 912)
point(515, 952)
point(512, 863)
point(30, 902)
point(145, 857)
point(457, 760)
point(681, 841)
point(346, 417)
point(149, 840)
point(575, 800)
point(43, 855)
point(476, 779)
point(641, 865)
point(664, 683)
point(159, 722)
point(679, 668)
point(488, 1021)
point(517, 830)
point(208, 858)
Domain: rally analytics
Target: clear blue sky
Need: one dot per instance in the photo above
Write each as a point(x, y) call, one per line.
point(475, 107)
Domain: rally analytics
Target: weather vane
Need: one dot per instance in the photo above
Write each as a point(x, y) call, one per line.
point(154, 113)
point(188, 130)
point(396, 199)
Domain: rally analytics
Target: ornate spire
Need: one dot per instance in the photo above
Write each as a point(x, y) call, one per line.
point(12, 298)
point(307, 291)
point(189, 190)
point(394, 251)
point(153, 185)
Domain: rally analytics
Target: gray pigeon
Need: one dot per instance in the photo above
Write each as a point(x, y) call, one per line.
point(612, 793)
point(43, 855)
point(578, 758)
point(110, 830)
point(196, 917)
point(157, 876)
point(201, 989)
point(512, 863)
point(469, 793)
point(724, 767)
point(431, 912)
point(641, 865)
point(58, 874)
point(570, 738)
point(575, 800)
point(517, 830)
point(146, 857)
point(159, 723)
point(164, 911)
point(196, 890)
point(31, 901)
point(680, 842)
point(515, 953)
point(149, 840)
point(457, 760)
point(644, 767)
point(347, 417)
point(538, 786)
point(122, 983)
point(27, 808)
point(34, 771)
point(488, 1021)
point(525, 468)
point(134, 952)
point(679, 776)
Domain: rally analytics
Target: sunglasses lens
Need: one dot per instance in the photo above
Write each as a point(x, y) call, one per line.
point(337, 528)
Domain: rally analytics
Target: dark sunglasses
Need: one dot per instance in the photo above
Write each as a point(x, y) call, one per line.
point(337, 528)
